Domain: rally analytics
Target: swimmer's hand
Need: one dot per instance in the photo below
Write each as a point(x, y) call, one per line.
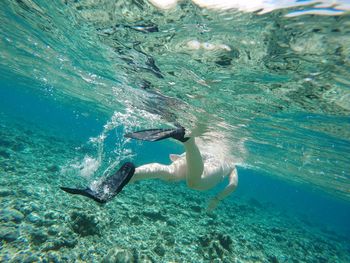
point(213, 203)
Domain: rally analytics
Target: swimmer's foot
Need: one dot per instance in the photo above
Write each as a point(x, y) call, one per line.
point(154, 135)
point(109, 187)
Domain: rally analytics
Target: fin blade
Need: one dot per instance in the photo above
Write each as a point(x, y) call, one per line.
point(85, 192)
point(153, 135)
point(149, 134)
point(114, 183)
point(73, 191)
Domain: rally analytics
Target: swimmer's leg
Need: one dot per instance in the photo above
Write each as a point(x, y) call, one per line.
point(153, 135)
point(154, 171)
point(194, 162)
point(232, 185)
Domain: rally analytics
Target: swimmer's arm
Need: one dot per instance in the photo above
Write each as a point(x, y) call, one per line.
point(232, 185)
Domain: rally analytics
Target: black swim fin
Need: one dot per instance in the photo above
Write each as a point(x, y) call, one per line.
point(109, 187)
point(154, 135)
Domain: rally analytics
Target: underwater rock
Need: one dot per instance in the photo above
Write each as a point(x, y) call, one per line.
point(213, 216)
point(24, 208)
point(18, 147)
point(5, 192)
point(154, 215)
point(280, 238)
point(118, 255)
point(53, 230)
point(159, 249)
point(57, 244)
point(54, 216)
point(50, 215)
point(8, 234)
point(186, 241)
point(172, 222)
point(322, 259)
point(53, 168)
point(34, 219)
point(5, 154)
point(169, 238)
point(135, 220)
point(225, 241)
point(242, 239)
point(31, 259)
point(9, 167)
point(148, 198)
point(25, 191)
point(210, 222)
point(5, 143)
point(153, 236)
point(25, 257)
point(52, 257)
point(38, 237)
point(66, 242)
point(84, 224)
point(273, 259)
point(144, 259)
point(11, 214)
point(216, 245)
point(254, 202)
point(196, 208)
point(48, 223)
point(277, 230)
point(204, 240)
point(246, 209)
point(215, 250)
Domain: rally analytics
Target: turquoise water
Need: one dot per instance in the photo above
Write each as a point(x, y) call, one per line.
point(268, 87)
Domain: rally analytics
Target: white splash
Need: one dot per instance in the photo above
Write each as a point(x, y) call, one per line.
point(85, 168)
point(123, 122)
point(89, 166)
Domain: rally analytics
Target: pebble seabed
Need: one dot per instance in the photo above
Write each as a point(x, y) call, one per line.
point(148, 222)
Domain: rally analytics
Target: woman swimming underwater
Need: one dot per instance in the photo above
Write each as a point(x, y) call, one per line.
point(201, 170)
